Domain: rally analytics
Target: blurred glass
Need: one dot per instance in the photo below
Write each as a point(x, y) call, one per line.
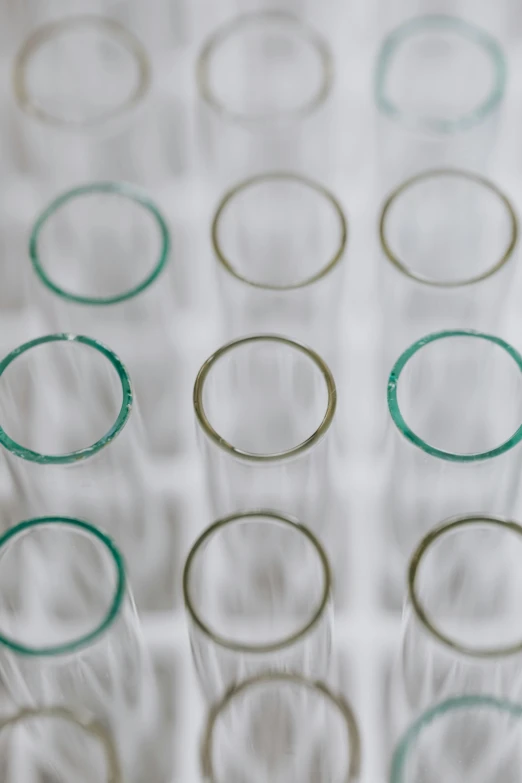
point(257, 594)
point(284, 729)
point(264, 407)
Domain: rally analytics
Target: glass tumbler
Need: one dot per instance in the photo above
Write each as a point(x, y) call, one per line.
point(69, 632)
point(280, 240)
point(264, 406)
point(264, 80)
point(452, 446)
point(439, 85)
point(72, 444)
point(257, 594)
point(100, 255)
point(282, 728)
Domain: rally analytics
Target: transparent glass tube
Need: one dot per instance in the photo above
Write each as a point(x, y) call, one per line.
point(439, 85)
point(283, 728)
point(257, 594)
point(73, 445)
point(100, 255)
point(69, 633)
point(264, 405)
point(264, 80)
point(52, 740)
point(280, 240)
point(455, 403)
point(462, 739)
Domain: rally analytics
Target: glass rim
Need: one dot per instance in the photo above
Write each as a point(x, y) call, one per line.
point(454, 523)
point(294, 451)
point(85, 722)
point(335, 700)
point(224, 32)
point(47, 32)
point(87, 451)
point(409, 434)
point(273, 518)
point(449, 705)
point(274, 176)
point(429, 174)
point(126, 191)
point(467, 30)
point(112, 612)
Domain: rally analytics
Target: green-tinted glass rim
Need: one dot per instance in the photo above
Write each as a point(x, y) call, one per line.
point(231, 28)
point(125, 190)
point(271, 517)
point(116, 603)
point(74, 456)
point(408, 740)
point(402, 426)
point(454, 24)
point(280, 176)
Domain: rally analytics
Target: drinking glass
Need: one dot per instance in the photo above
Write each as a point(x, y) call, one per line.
point(72, 444)
point(280, 240)
point(264, 80)
point(69, 632)
point(462, 739)
point(99, 255)
point(56, 745)
point(439, 85)
point(282, 728)
point(264, 405)
point(452, 446)
point(257, 594)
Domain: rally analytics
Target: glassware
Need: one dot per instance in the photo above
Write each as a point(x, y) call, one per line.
point(257, 594)
point(452, 447)
point(279, 240)
point(264, 80)
point(73, 445)
point(439, 85)
point(69, 632)
point(99, 253)
point(264, 405)
point(282, 728)
point(462, 739)
point(57, 745)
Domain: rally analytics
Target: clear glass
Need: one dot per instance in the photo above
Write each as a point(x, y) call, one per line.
point(257, 595)
point(452, 447)
point(264, 405)
point(439, 85)
point(280, 241)
point(460, 740)
point(69, 634)
point(282, 728)
point(100, 256)
point(72, 444)
point(264, 80)
point(56, 745)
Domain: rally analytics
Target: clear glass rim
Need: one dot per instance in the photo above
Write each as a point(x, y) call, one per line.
point(448, 526)
point(234, 26)
point(273, 518)
point(408, 740)
point(466, 30)
point(281, 176)
point(211, 433)
point(87, 723)
point(126, 191)
point(407, 432)
point(50, 30)
point(335, 700)
point(113, 611)
point(88, 451)
point(435, 174)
